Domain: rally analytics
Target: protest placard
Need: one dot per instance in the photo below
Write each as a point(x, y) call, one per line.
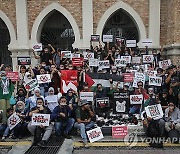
point(78, 61)
point(128, 77)
point(37, 47)
point(93, 62)
point(136, 99)
point(138, 77)
point(75, 55)
point(127, 59)
point(14, 76)
point(87, 95)
point(103, 64)
point(120, 62)
point(130, 43)
point(95, 38)
point(102, 102)
point(13, 120)
point(31, 85)
point(136, 60)
point(164, 64)
point(88, 55)
point(95, 134)
point(150, 73)
point(24, 60)
point(44, 78)
point(154, 111)
point(148, 58)
point(66, 54)
point(119, 131)
point(147, 42)
point(40, 119)
point(107, 38)
point(155, 81)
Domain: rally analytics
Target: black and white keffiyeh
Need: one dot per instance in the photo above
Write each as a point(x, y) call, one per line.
point(5, 85)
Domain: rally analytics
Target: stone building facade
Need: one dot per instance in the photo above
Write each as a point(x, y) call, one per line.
point(158, 20)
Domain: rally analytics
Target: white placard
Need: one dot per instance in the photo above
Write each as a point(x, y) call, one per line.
point(164, 64)
point(13, 120)
point(95, 134)
point(37, 47)
point(103, 64)
point(138, 77)
point(40, 119)
point(127, 59)
point(76, 55)
point(93, 62)
point(44, 78)
point(31, 85)
point(107, 38)
point(154, 111)
point(136, 60)
point(136, 99)
point(88, 55)
point(130, 43)
point(147, 42)
point(66, 54)
point(148, 58)
point(120, 62)
point(87, 95)
point(150, 73)
point(120, 106)
point(155, 81)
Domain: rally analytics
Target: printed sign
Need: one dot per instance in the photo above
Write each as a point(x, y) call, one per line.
point(154, 111)
point(13, 120)
point(147, 42)
point(136, 99)
point(14, 76)
point(128, 77)
point(95, 134)
point(119, 131)
point(40, 119)
point(148, 58)
point(150, 73)
point(103, 64)
point(78, 61)
point(45, 78)
point(88, 55)
point(93, 62)
point(37, 47)
point(155, 81)
point(107, 38)
point(76, 55)
point(138, 77)
point(120, 62)
point(164, 64)
point(102, 102)
point(127, 59)
point(24, 60)
point(95, 38)
point(136, 60)
point(31, 85)
point(66, 54)
point(130, 43)
point(87, 95)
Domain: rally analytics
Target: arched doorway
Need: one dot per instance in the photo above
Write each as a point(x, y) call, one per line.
point(57, 31)
point(121, 25)
point(5, 54)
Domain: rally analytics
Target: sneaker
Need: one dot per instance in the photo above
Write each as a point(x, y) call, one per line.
point(67, 136)
point(42, 144)
point(3, 138)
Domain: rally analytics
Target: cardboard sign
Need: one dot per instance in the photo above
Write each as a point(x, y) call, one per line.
point(93, 62)
point(24, 60)
point(155, 81)
point(148, 58)
point(102, 102)
point(130, 43)
point(120, 62)
point(138, 77)
point(31, 85)
point(95, 134)
point(147, 42)
point(119, 131)
point(45, 78)
point(95, 38)
point(13, 120)
point(87, 95)
point(128, 77)
point(164, 64)
point(40, 119)
point(78, 61)
point(136, 60)
point(136, 99)
point(154, 111)
point(88, 55)
point(66, 54)
point(14, 76)
point(107, 38)
point(127, 59)
point(37, 47)
point(103, 64)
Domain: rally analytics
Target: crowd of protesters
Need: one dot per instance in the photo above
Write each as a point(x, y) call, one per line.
point(67, 110)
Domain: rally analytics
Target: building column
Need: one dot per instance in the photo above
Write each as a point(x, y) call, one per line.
point(154, 22)
point(87, 19)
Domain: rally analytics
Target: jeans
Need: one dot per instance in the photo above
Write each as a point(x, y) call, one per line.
point(134, 109)
point(4, 130)
point(83, 127)
point(20, 129)
point(68, 126)
point(168, 128)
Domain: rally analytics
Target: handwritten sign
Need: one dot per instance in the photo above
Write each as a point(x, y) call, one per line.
point(136, 99)
point(119, 131)
point(40, 119)
point(155, 81)
point(95, 134)
point(154, 111)
point(37, 47)
point(107, 38)
point(44, 78)
point(87, 95)
point(13, 120)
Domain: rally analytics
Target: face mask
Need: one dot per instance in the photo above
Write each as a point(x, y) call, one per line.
point(43, 65)
point(171, 108)
point(4, 77)
point(39, 106)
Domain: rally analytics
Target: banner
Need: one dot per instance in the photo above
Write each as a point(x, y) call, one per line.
point(14, 76)
point(24, 60)
point(103, 64)
point(102, 102)
point(87, 95)
point(138, 77)
point(44, 78)
point(95, 134)
point(88, 55)
point(155, 81)
point(128, 77)
point(136, 60)
point(40, 119)
point(127, 59)
point(148, 58)
point(120, 62)
point(37, 47)
point(95, 38)
point(154, 111)
point(164, 64)
point(69, 80)
point(13, 120)
point(130, 43)
point(147, 42)
point(31, 85)
point(93, 62)
point(66, 54)
point(119, 131)
point(78, 61)
point(107, 38)
point(136, 99)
